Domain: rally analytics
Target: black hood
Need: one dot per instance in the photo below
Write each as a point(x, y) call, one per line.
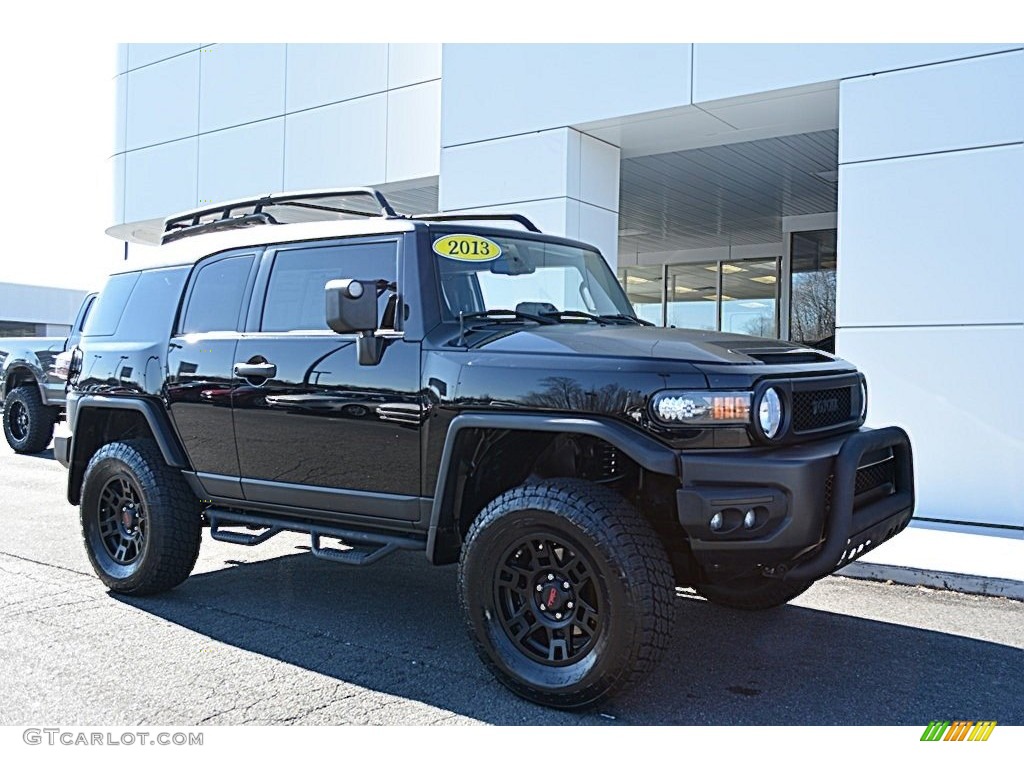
point(677, 344)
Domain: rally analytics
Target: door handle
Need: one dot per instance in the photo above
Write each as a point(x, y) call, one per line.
point(253, 370)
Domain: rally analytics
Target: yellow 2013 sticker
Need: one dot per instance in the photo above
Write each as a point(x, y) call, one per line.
point(467, 248)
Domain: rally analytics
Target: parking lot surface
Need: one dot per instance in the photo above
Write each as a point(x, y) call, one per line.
point(271, 635)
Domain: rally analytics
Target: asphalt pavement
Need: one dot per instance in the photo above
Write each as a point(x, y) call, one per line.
point(271, 635)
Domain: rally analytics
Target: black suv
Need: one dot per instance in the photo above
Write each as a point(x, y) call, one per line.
point(485, 395)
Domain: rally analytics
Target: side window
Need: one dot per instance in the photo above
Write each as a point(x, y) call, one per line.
point(216, 298)
point(110, 304)
point(85, 313)
point(295, 293)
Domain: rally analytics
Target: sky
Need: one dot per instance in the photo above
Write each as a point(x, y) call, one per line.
point(59, 63)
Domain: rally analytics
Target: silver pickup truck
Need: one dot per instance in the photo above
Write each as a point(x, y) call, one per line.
point(32, 384)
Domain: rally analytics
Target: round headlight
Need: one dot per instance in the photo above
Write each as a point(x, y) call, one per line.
point(769, 412)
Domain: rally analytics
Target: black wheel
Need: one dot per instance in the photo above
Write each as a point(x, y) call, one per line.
point(140, 521)
point(355, 411)
point(753, 593)
point(28, 424)
point(567, 592)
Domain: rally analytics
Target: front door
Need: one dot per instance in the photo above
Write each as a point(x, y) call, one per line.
point(314, 428)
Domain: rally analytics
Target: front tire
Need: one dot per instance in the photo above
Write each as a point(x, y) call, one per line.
point(567, 592)
point(141, 523)
point(753, 593)
point(28, 424)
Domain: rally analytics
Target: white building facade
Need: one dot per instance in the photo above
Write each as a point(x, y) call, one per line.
point(861, 198)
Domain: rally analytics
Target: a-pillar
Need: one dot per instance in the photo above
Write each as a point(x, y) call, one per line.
point(565, 181)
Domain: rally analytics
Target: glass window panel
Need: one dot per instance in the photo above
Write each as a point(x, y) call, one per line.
point(813, 291)
point(692, 296)
point(295, 294)
point(749, 297)
point(643, 287)
point(216, 299)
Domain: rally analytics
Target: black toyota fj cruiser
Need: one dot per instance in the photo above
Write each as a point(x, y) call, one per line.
point(485, 395)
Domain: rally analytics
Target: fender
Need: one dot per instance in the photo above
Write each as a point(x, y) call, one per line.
point(155, 417)
point(645, 450)
point(31, 367)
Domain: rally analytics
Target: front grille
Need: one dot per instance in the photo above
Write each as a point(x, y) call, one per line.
point(822, 408)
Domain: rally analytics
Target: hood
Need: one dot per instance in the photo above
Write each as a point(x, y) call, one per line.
point(677, 344)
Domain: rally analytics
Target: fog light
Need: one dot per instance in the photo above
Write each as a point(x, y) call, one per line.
point(716, 521)
point(749, 519)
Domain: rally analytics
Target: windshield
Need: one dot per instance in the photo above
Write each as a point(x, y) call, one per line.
point(478, 274)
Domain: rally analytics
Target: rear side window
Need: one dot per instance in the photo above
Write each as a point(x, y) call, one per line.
point(90, 303)
point(216, 298)
point(110, 304)
point(295, 294)
point(137, 305)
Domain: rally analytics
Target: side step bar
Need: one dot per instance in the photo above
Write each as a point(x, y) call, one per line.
point(366, 548)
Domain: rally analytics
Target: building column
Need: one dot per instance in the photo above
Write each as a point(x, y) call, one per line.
point(565, 181)
point(931, 274)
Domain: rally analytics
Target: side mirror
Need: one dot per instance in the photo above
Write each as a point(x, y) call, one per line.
point(351, 305)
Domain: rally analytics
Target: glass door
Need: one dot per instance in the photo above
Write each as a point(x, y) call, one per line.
point(812, 304)
point(749, 297)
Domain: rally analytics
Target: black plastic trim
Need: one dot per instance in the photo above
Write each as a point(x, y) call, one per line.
point(641, 448)
point(381, 505)
point(155, 417)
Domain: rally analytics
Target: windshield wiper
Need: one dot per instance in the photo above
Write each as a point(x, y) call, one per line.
point(561, 313)
point(627, 318)
point(499, 315)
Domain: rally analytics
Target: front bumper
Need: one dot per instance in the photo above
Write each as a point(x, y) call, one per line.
point(799, 512)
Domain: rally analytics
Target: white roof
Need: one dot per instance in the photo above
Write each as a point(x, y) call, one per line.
point(188, 250)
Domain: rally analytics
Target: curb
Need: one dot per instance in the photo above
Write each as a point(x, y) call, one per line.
point(953, 582)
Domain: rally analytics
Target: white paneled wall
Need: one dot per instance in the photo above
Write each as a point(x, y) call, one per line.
point(721, 71)
point(972, 103)
point(137, 55)
point(502, 90)
point(565, 181)
point(339, 145)
point(954, 391)
point(160, 180)
point(163, 101)
point(931, 274)
point(414, 131)
point(240, 84)
point(926, 239)
point(226, 120)
point(226, 161)
point(324, 74)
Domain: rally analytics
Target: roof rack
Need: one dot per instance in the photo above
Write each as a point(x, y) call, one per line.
point(255, 211)
point(191, 222)
point(516, 217)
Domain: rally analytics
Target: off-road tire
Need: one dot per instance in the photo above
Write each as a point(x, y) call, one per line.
point(168, 514)
point(754, 593)
point(624, 570)
point(28, 424)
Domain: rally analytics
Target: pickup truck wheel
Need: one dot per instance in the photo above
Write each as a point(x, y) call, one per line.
point(141, 523)
point(28, 424)
point(753, 593)
point(567, 592)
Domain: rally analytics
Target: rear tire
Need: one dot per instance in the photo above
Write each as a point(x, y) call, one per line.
point(28, 424)
point(753, 593)
point(567, 592)
point(141, 523)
